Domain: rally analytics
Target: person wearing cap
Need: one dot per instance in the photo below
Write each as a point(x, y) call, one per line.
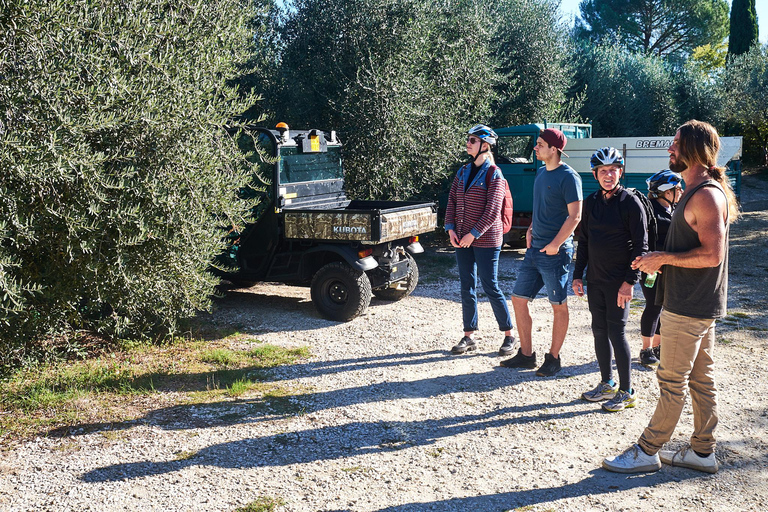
point(474, 226)
point(557, 201)
point(664, 191)
point(612, 234)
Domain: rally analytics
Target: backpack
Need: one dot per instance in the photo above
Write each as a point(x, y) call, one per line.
point(506, 203)
point(652, 228)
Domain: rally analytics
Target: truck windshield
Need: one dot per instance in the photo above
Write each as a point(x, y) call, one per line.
point(515, 149)
point(296, 167)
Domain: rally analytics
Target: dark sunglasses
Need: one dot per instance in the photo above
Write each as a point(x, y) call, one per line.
point(473, 140)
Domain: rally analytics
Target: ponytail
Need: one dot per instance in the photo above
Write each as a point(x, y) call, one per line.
point(719, 175)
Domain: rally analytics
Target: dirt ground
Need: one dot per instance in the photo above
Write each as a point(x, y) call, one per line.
point(388, 420)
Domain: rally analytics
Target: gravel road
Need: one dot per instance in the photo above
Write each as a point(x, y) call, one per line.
point(384, 419)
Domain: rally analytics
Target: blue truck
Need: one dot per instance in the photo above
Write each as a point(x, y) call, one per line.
point(643, 157)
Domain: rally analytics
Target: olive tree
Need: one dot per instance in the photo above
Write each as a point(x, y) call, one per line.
point(403, 80)
point(119, 167)
point(744, 99)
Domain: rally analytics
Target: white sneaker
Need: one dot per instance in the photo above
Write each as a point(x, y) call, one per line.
point(633, 460)
point(687, 458)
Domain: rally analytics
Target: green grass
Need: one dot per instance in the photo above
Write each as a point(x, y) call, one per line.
point(263, 504)
point(184, 455)
point(269, 356)
point(221, 357)
point(101, 389)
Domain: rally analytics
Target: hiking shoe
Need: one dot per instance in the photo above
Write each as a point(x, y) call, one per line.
point(633, 460)
point(620, 401)
point(509, 346)
point(550, 367)
point(466, 344)
point(648, 358)
point(520, 361)
point(602, 391)
point(657, 352)
point(687, 458)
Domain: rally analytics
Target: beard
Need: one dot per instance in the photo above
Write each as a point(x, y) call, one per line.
point(677, 166)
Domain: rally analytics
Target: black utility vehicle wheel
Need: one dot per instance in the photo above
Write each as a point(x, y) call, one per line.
point(401, 289)
point(340, 292)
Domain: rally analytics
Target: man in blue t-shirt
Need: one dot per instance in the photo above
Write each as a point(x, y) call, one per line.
point(556, 213)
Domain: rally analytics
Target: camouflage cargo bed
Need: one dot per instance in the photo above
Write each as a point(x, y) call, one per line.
point(362, 221)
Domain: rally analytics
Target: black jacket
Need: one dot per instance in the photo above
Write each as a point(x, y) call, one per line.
point(611, 235)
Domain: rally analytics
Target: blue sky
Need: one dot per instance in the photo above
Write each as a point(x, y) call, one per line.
point(571, 7)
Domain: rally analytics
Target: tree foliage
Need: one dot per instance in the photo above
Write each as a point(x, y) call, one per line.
point(631, 94)
point(744, 29)
point(659, 27)
point(744, 98)
point(402, 80)
point(117, 170)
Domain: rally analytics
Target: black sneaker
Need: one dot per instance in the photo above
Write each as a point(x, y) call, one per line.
point(520, 361)
point(466, 344)
point(648, 358)
point(550, 367)
point(657, 352)
point(509, 346)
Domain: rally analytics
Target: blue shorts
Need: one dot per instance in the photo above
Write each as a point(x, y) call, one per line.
point(539, 270)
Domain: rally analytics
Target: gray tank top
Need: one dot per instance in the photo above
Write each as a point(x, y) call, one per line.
point(693, 292)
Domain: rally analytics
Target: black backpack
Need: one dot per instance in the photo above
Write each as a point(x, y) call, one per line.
point(652, 228)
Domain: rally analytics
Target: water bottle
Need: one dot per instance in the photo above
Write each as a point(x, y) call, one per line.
point(650, 280)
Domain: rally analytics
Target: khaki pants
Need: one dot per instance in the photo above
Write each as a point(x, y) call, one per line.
point(686, 364)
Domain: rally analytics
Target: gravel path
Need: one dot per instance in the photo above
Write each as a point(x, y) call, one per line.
point(384, 419)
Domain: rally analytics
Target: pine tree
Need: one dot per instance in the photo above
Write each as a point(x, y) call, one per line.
point(743, 27)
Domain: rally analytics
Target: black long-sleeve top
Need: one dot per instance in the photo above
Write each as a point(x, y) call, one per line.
point(612, 234)
point(663, 220)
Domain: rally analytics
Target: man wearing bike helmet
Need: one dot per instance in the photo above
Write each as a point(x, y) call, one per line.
point(556, 213)
point(664, 191)
point(611, 236)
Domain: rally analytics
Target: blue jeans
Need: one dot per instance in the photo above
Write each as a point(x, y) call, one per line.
point(540, 270)
point(482, 262)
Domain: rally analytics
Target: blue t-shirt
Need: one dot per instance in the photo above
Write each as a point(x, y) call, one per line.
point(552, 192)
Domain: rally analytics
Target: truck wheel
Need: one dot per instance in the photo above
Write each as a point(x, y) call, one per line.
point(401, 289)
point(340, 292)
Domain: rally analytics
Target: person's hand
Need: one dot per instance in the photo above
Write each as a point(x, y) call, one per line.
point(454, 239)
point(466, 240)
point(625, 295)
point(578, 287)
point(649, 262)
point(551, 249)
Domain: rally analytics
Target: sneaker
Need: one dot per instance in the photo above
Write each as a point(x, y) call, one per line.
point(550, 367)
point(648, 358)
point(466, 344)
point(520, 361)
point(633, 460)
point(620, 401)
point(657, 352)
point(509, 346)
point(687, 458)
point(602, 391)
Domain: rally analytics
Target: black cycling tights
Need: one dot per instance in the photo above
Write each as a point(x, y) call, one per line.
point(649, 322)
point(608, 324)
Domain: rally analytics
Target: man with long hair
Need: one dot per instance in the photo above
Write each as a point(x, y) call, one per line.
point(693, 292)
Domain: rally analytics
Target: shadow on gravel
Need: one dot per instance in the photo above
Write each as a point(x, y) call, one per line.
point(599, 482)
point(341, 441)
point(253, 410)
